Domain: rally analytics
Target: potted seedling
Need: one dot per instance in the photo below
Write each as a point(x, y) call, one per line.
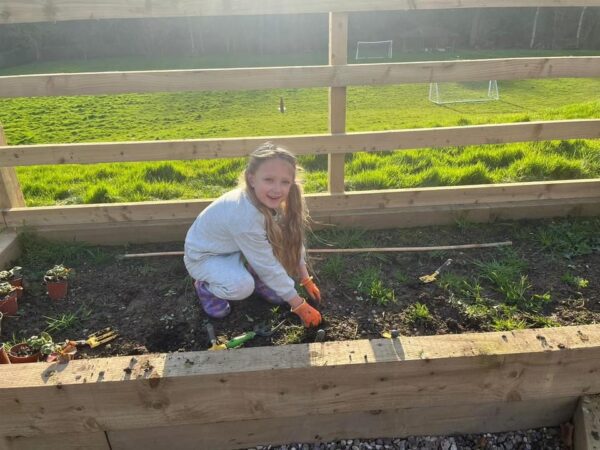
point(57, 281)
point(8, 298)
point(14, 277)
point(32, 349)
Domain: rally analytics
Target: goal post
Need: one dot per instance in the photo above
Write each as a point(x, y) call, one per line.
point(469, 92)
point(374, 49)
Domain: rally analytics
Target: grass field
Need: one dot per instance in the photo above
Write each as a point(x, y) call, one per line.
point(192, 115)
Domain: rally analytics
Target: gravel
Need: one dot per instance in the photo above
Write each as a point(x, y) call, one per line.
point(536, 439)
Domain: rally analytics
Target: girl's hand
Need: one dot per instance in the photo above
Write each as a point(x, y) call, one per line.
point(310, 316)
point(311, 288)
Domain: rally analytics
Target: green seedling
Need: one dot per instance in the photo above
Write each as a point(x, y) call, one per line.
point(508, 324)
point(575, 281)
point(418, 312)
point(381, 294)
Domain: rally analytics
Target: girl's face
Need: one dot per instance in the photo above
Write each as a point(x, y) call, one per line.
point(272, 182)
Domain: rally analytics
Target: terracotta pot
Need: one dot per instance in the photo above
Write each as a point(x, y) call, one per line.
point(18, 282)
point(9, 305)
point(4, 359)
point(57, 290)
point(13, 354)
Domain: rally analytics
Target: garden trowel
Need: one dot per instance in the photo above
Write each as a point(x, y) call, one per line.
point(431, 278)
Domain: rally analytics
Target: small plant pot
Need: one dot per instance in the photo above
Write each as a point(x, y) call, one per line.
point(4, 359)
point(19, 354)
point(9, 305)
point(57, 290)
point(18, 282)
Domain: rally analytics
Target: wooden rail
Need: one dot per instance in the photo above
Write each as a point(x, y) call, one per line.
point(297, 77)
point(169, 220)
point(306, 392)
point(16, 11)
point(49, 154)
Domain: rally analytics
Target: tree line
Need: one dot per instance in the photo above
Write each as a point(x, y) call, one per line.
point(486, 28)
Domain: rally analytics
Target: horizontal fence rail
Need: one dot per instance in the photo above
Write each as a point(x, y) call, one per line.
point(169, 220)
point(97, 83)
point(49, 154)
point(17, 11)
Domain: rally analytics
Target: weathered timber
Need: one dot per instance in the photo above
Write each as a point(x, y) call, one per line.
point(10, 189)
point(587, 423)
point(97, 83)
point(487, 373)
point(170, 220)
point(91, 153)
point(338, 55)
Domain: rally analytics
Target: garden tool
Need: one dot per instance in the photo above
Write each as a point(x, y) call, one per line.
point(213, 339)
point(240, 340)
point(320, 336)
point(431, 278)
point(262, 329)
point(99, 337)
point(392, 334)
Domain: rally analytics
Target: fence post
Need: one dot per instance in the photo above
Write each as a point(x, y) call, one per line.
point(338, 55)
point(11, 195)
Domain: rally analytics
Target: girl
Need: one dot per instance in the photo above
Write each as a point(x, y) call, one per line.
point(251, 239)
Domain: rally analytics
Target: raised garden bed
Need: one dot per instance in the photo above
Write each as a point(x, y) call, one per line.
point(353, 384)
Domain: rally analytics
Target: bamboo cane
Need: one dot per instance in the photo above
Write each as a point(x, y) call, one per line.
point(352, 250)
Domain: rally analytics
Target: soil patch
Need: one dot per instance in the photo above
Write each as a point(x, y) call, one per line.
point(152, 303)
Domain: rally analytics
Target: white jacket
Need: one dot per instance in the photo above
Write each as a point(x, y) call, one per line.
point(232, 224)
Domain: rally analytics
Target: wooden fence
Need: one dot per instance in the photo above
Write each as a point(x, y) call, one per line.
point(167, 220)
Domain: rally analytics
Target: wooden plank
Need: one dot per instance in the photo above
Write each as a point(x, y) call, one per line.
point(587, 423)
point(447, 215)
point(101, 83)
point(300, 380)
point(320, 205)
point(165, 231)
point(338, 55)
point(91, 153)
point(399, 422)
point(10, 248)
point(10, 190)
point(63, 441)
point(17, 11)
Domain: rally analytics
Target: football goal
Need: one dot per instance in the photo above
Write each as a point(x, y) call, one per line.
point(374, 50)
point(469, 92)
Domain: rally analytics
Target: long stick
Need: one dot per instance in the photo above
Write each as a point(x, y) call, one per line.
point(352, 250)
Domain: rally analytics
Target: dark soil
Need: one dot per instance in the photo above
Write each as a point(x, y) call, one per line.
point(152, 304)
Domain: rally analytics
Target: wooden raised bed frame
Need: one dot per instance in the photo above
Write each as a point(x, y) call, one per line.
point(311, 392)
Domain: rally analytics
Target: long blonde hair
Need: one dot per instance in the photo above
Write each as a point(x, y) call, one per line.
point(286, 234)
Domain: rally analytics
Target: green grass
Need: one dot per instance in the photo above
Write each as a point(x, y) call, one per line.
point(193, 115)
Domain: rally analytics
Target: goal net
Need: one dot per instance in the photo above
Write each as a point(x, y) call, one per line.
point(468, 92)
point(374, 49)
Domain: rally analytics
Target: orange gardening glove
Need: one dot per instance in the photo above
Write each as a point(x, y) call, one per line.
point(311, 288)
point(310, 316)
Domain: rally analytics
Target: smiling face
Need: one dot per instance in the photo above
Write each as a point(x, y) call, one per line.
point(272, 182)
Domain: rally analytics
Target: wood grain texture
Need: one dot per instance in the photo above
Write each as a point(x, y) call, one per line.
point(100, 83)
point(409, 373)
